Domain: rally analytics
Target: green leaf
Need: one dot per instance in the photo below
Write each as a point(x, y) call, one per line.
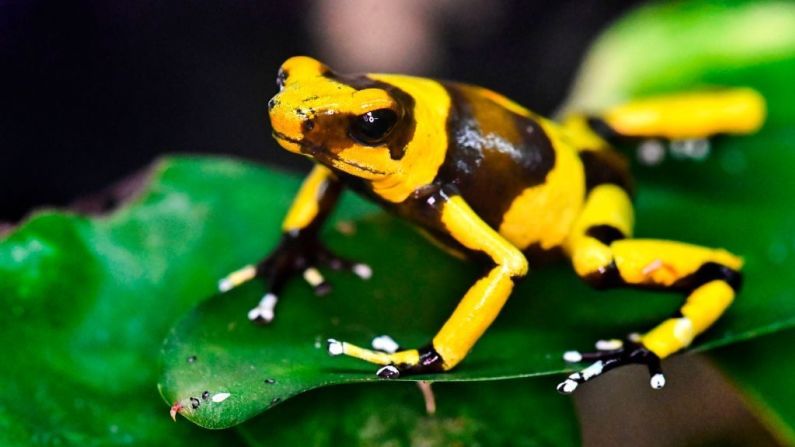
point(416, 286)
point(88, 301)
point(510, 413)
point(736, 199)
point(120, 281)
point(763, 370)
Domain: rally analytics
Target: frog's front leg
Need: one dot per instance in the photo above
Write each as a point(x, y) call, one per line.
point(476, 311)
point(300, 250)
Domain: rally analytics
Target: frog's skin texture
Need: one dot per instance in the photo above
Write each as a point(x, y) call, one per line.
point(493, 181)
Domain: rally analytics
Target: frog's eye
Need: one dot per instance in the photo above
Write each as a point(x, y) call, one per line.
point(373, 127)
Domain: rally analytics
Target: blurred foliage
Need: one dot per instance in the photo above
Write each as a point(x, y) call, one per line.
point(670, 46)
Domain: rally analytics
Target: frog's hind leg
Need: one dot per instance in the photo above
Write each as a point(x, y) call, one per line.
point(604, 254)
point(684, 116)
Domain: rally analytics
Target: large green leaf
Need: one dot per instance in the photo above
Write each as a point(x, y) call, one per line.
point(88, 301)
point(120, 281)
point(416, 286)
point(509, 413)
point(737, 198)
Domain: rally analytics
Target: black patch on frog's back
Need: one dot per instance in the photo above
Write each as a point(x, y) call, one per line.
point(491, 169)
point(403, 132)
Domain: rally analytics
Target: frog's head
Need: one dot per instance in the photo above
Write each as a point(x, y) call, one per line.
point(350, 123)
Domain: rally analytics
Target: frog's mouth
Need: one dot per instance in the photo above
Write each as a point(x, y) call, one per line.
point(318, 153)
point(281, 138)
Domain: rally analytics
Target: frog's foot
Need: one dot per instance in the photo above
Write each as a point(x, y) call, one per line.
point(263, 312)
point(611, 354)
point(295, 255)
point(395, 362)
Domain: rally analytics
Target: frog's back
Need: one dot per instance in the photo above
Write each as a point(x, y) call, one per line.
point(514, 168)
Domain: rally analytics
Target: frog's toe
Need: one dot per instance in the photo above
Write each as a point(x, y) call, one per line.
point(385, 343)
point(335, 347)
point(612, 344)
point(657, 381)
point(612, 354)
point(237, 278)
point(394, 362)
point(315, 279)
point(572, 356)
point(263, 313)
point(574, 380)
point(327, 258)
point(604, 349)
point(567, 386)
point(388, 372)
point(321, 287)
point(362, 270)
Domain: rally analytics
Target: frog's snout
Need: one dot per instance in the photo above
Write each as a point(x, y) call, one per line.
point(285, 121)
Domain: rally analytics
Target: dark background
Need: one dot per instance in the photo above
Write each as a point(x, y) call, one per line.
point(94, 90)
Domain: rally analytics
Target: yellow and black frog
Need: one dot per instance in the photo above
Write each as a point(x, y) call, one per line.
point(494, 181)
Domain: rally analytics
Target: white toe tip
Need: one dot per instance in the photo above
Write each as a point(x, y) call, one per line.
point(388, 372)
point(385, 343)
point(567, 386)
point(594, 370)
point(572, 356)
point(363, 271)
point(609, 345)
point(334, 347)
point(657, 381)
point(313, 277)
point(261, 314)
point(254, 313)
point(264, 310)
point(224, 285)
point(269, 300)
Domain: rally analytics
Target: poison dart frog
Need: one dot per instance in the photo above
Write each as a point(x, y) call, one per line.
point(489, 178)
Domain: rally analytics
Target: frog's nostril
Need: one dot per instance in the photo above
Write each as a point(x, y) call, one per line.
point(272, 103)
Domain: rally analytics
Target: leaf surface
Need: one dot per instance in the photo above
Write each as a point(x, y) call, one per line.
point(736, 198)
point(415, 287)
